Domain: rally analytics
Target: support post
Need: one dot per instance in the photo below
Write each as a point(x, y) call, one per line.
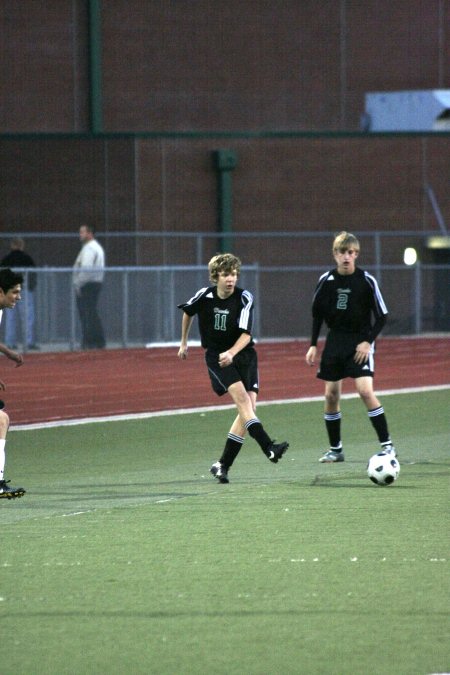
point(224, 162)
point(95, 68)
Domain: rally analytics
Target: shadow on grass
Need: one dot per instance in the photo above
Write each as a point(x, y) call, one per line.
point(359, 483)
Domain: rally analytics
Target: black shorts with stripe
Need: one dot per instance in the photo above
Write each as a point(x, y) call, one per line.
point(338, 356)
point(243, 369)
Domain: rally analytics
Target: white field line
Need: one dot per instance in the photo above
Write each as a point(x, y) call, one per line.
point(205, 409)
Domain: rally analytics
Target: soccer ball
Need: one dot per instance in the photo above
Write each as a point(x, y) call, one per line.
point(383, 468)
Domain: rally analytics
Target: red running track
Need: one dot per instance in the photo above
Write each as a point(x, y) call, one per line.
point(69, 385)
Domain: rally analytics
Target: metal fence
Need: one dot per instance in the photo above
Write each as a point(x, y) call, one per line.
point(292, 247)
point(138, 305)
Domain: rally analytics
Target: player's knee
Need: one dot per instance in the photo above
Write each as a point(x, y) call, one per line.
point(366, 395)
point(243, 401)
point(332, 398)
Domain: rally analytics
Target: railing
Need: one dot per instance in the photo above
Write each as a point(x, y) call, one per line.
point(138, 305)
point(299, 243)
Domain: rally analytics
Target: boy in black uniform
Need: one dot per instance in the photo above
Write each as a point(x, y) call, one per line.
point(346, 298)
point(10, 289)
point(225, 315)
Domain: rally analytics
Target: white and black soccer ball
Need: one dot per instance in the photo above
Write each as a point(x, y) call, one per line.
point(383, 468)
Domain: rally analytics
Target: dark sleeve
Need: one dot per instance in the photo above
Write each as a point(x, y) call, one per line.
point(188, 309)
point(379, 309)
point(191, 307)
point(377, 327)
point(317, 313)
point(316, 326)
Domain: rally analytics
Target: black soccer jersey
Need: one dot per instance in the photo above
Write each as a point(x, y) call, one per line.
point(221, 321)
point(350, 303)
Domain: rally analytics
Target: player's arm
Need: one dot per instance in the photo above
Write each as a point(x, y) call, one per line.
point(379, 324)
point(379, 309)
point(11, 354)
point(226, 358)
point(318, 318)
point(312, 351)
point(364, 348)
point(186, 323)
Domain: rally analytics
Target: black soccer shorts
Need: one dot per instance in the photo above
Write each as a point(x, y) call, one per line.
point(243, 369)
point(337, 360)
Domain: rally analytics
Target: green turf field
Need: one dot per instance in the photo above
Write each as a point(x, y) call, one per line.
point(126, 557)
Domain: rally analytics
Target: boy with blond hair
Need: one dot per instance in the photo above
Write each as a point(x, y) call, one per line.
point(349, 300)
point(225, 316)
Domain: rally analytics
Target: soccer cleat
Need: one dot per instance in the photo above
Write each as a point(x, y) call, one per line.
point(219, 472)
point(332, 456)
point(7, 492)
point(275, 451)
point(389, 449)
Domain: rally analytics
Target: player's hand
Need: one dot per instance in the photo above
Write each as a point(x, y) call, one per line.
point(225, 359)
point(311, 356)
point(2, 386)
point(183, 352)
point(15, 356)
point(362, 353)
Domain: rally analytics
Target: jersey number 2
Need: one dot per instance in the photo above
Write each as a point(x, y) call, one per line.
point(342, 301)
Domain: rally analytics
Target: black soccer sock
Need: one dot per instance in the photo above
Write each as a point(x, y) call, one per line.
point(231, 450)
point(333, 425)
point(256, 431)
point(379, 423)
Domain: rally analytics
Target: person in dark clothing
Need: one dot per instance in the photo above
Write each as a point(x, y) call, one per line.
point(10, 293)
point(349, 300)
point(225, 315)
point(24, 312)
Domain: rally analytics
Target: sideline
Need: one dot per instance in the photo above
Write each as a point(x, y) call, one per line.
point(205, 409)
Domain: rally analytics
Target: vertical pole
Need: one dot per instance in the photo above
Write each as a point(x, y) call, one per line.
point(125, 309)
point(95, 67)
point(378, 256)
point(73, 329)
point(225, 210)
point(258, 303)
point(26, 314)
point(418, 299)
point(199, 247)
point(225, 161)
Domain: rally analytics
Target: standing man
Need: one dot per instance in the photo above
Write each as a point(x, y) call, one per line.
point(88, 273)
point(349, 300)
point(17, 257)
point(10, 289)
point(225, 315)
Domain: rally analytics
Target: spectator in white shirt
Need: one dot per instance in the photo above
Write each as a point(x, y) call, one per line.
point(88, 273)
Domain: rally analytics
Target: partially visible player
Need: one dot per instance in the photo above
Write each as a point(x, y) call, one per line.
point(225, 316)
point(10, 288)
point(349, 300)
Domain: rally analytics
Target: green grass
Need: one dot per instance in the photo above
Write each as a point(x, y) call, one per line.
point(125, 555)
